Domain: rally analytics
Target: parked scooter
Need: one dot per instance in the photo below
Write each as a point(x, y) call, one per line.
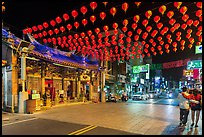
point(124, 98)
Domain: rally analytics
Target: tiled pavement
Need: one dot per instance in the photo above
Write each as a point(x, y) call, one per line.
point(146, 119)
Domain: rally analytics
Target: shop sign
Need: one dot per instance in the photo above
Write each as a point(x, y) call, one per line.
point(175, 64)
point(195, 73)
point(188, 73)
point(194, 64)
point(156, 66)
point(35, 96)
point(141, 68)
point(198, 49)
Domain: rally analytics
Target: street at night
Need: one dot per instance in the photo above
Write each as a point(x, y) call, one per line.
point(101, 68)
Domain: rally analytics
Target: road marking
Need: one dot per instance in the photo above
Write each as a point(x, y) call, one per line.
point(19, 121)
point(80, 131)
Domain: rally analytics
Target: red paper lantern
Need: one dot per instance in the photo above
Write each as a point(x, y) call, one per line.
point(162, 9)
point(185, 17)
point(189, 31)
point(200, 38)
point(174, 49)
point(58, 20)
point(168, 36)
point(170, 14)
point(93, 19)
point(188, 35)
point(190, 46)
point(134, 26)
point(144, 36)
point(125, 6)
point(154, 44)
point(29, 30)
point(154, 33)
point(35, 28)
point(45, 25)
point(154, 53)
point(182, 47)
point(156, 19)
point(195, 23)
point(200, 28)
point(44, 40)
point(183, 10)
point(138, 3)
point(113, 11)
point(35, 36)
point(40, 27)
point(105, 3)
point(83, 34)
point(69, 27)
point(129, 33)
point(198, 33)
point(76, 24)
point(166, 46)
point(159, 48)
point(52, 23)
point(105, 28)
point(143, 42)
point(200, 18)
point(199, 13)
point(139, 31)
point(102, 15)
point(148, 14)
point(93, 5)
point(172, 29)
point(169, 41)
point(182, 42)
point(62, 29)
point(83, 10)
point(97, 30)
point(89, 32)
point(167, 51)
point(189, 22)
point(161, 52)
point(66, 16)
point(136, 37)
point(145, 22)
point(199, 5)
point(74, 14)
point(176, 26)
point(159, 25)
point(177, 4)
point(183, 26)
point(178, 34)
point(174, 44)
point(178, 38)
point(124, 29)
point(50, 32)
point(84, 22)
point(159, 38)
point(151, 40)
point(172, 21)
point(125, 22)
point(136, 18)
point(115, 25)
point(149, 28)
point(115, 32)
point(56, 30)
point(76, 36)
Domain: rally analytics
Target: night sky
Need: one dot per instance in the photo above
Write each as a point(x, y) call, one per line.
point(22, 14)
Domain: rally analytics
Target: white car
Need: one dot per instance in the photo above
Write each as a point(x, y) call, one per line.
point(140, 96)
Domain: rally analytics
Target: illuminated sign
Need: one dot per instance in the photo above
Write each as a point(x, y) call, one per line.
point(194, 64)
point(198, 49)
point(141, 68)
point(156, 66)
point(188, 73)
point(175, 64)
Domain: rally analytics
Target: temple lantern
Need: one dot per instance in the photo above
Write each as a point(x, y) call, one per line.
point(58, 20)
point(102, 15)
point(52, 23)
point(168, 36)
point(177, 4)
point(97, 30)
point(138, 4)
point(183, 26)
point(172, 21)
point(129, 33)
point(113, 11)
point(56, 30)
point(170, 14)
point(162, 9)
point(159, 38)
point(89, 32)
point(50, 32)
point(45, 25)
point(148, 14)
point(125, 22)
point(139, 31)
point(182, 42)
point(69, 27)
point(185, 17)
point(166, 46)
point(74, 14)
point(183, 10)
point(195, 23)
point(125, 6)
point(93, 5)
point(105, 28)
point(83, 10)
point(189, 31)
point(156, 19)
point(84, 22)
point(93, 19)
point(40, 27)
point(190, 46)
point(134, 26)
point(145, 22)
point(178, 38)
point(66, 16)
point(82, 34)
point(124, 29)
point(115, 25)
point(188, 35)
point(189, 22)
point(136, 37)
point(76, 24)
point(175, 49)
point(159, 25)
point(149, 28)
point(199, 13)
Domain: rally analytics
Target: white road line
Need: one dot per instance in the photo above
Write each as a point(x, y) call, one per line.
point(19, 121)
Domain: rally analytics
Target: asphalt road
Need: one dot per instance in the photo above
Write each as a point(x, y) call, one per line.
point(38, 126)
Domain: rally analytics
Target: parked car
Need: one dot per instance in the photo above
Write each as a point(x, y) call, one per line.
point(140, 96)
point(153, 94)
